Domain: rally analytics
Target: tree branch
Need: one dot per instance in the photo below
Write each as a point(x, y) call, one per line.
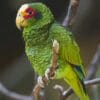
point(13, 95)
point(68, 92)
point(63, 94)
point(94, 64)
point(71, 13)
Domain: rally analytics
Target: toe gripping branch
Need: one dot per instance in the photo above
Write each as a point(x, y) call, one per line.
point(49, 73)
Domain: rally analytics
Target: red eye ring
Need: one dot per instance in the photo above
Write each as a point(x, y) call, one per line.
point(30, 13)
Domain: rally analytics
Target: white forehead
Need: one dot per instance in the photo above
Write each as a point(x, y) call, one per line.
point(23, 7)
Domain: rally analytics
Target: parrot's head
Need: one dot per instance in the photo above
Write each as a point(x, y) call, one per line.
point(32, 14)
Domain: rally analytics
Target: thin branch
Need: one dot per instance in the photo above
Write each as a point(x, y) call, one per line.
point(64, 94)
point(13, 95)
point(94, 64)
point(95, 92)
point(36, 92)
point(71, 13)
point(60, 89)
point(92, 82)
point(68, 92)
point(38, 88)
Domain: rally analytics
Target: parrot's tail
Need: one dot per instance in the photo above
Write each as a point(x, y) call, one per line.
point(76, 84)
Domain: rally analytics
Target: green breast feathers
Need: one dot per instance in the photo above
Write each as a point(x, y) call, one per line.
point(39, 51)
point(40, 57)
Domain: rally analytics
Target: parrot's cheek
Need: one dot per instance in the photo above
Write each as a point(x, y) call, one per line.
point(24, 23)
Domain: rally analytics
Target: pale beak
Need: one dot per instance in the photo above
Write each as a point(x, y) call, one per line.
point(20, 21)
point(18, 24)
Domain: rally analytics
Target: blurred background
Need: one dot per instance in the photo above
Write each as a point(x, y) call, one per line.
point(16, 72)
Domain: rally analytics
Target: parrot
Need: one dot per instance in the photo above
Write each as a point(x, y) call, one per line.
point(40, 29)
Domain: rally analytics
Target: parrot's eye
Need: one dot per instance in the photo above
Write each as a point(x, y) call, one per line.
point(30, 12)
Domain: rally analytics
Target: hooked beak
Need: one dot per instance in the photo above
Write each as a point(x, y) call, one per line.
point(20, 21)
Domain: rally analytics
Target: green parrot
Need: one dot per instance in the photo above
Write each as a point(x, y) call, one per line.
point(39, 31)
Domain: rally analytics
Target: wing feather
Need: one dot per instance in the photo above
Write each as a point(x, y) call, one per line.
point(69, 50)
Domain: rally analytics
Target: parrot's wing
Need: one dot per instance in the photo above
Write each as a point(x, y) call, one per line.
point(69, 50)
point(71, 53)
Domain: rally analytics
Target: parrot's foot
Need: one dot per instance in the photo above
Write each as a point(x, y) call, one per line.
point(40, 81)
point(47, 73)
point(50, 74)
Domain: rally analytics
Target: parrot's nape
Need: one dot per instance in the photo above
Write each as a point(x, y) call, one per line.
point(39, 30)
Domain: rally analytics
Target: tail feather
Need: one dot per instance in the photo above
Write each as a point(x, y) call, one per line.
point(78, 89)
point(83, 90)
point(76, 84)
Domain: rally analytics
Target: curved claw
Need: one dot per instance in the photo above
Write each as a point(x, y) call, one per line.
point(47, 73)
point(40, 81)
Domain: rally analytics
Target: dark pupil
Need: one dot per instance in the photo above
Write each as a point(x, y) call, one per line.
point(30, 12)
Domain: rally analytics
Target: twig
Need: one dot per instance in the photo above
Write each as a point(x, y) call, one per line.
point(36, 92)
point(92, 82)
point(38, 88)
point(94, 64)
point(60, 89)
point(63, 93)
point(95, 92)
point(68, 92)
point(13, 95)
point(71, 13)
